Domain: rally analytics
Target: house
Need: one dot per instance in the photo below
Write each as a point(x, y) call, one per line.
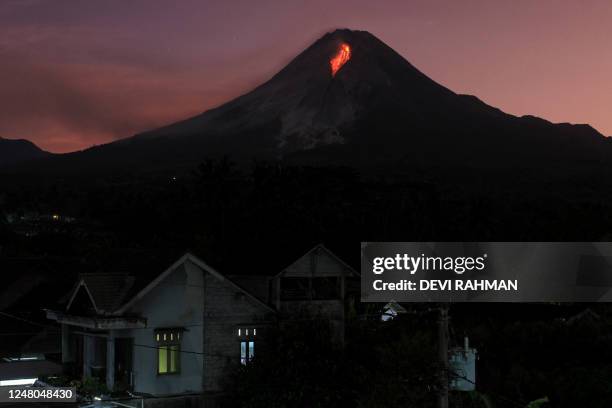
point(182, 331)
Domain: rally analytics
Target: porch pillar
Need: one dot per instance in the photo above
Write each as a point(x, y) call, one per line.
point(67, 345)
point(110, 361)
point(88, 355)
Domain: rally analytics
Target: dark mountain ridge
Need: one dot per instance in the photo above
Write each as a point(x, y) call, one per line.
point(19, 150)
point(377, 109)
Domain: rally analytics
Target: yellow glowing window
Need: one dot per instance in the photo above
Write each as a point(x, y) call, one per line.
point(173, 358)
point(163, 360)
point(168, 351)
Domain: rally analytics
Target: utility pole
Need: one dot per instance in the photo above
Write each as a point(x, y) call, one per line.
point(443, 356)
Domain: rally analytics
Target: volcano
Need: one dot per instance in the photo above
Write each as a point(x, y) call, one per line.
point(349, 98)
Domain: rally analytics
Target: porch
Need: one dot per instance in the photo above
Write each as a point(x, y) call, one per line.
point(94, 347)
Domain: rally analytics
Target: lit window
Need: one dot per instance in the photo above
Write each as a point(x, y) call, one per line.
point(168, 351)
point(247, 352)
point(247, 344)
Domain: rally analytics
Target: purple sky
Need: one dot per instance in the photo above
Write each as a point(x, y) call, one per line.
point(75, 73)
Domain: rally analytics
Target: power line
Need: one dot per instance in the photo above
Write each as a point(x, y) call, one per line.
point(27, 321)
point(20, 334)
point(165, 347)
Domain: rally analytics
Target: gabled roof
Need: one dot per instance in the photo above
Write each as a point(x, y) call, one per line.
point(188, 257)
point(321, 247)
point(116, 293)
point(107, 291)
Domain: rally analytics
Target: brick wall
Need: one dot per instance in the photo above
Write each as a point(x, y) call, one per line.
point(226, 309)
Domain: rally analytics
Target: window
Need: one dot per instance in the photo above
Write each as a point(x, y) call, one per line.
point(247, 337)
point(247, 352)
point(168, 350)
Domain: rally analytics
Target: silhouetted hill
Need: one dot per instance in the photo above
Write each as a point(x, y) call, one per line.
point(18, 150)
point(377, 109)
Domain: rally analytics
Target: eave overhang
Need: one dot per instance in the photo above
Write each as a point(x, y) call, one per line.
point(97, 322)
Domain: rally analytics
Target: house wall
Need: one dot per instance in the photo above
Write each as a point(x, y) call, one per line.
point(317, 263)
point(175, 302)
point(257, 285)
point(227, 309)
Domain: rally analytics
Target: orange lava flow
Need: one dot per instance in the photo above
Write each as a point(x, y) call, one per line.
point(343, 55)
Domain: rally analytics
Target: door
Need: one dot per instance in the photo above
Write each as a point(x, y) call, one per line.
point(124, 348)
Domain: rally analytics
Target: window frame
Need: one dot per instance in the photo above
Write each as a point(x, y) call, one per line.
point(249, 347)
point(246, 338)
point(177, 336)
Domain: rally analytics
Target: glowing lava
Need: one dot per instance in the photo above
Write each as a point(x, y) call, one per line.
point(341, 57)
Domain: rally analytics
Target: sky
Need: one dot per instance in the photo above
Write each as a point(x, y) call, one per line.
point(77, 73)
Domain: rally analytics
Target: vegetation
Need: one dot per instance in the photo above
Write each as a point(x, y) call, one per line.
point(378, 367)
point(87, 388)
point(229, 214)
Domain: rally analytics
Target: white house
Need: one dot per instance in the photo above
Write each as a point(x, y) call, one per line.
point(181, 331)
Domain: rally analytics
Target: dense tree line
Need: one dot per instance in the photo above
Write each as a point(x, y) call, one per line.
point(220, 208)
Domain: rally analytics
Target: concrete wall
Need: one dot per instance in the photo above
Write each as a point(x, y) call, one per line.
point(175, 302)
